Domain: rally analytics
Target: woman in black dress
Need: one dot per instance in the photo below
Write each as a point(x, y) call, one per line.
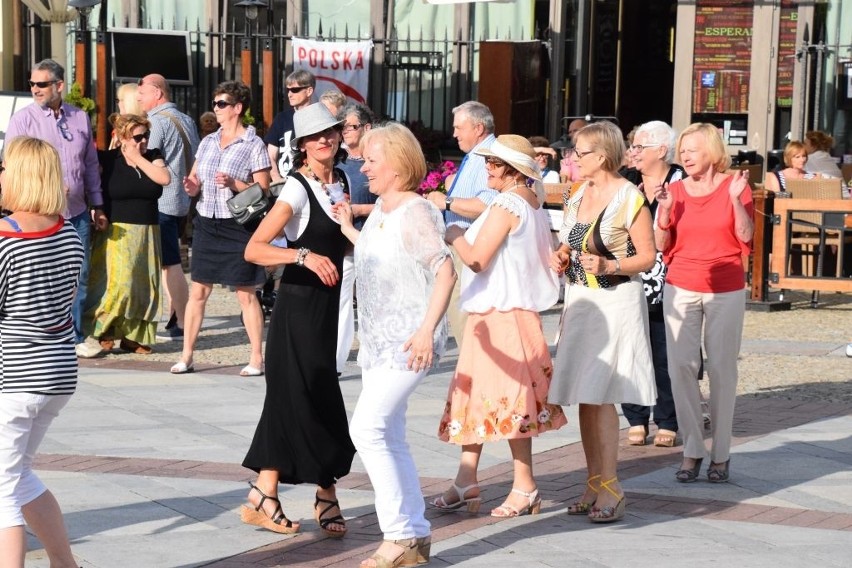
point(303, 435)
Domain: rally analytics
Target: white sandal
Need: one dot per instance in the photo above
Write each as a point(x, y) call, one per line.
point(181, 368)
point(472, 502)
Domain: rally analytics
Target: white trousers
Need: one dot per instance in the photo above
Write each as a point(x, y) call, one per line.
point(24, 419)
point(378, 432)
point(721, 316)
point(346, 320)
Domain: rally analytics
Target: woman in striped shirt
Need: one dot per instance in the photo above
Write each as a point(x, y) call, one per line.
point(40, 261)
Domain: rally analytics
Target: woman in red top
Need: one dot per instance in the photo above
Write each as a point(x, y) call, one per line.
point(704, 226)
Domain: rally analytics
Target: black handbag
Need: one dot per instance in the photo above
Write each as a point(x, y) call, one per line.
point(248, 206)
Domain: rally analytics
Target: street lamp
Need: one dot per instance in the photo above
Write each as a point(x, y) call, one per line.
point(251, 8)
point(81, 40)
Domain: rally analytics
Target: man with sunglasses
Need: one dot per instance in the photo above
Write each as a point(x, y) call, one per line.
point(67, 129)
point(175, 135)
point(300, 93)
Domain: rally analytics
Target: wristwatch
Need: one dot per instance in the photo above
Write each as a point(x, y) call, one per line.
point(447, 203)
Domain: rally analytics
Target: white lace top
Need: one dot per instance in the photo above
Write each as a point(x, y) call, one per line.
point(396, 258)
point(519, 276)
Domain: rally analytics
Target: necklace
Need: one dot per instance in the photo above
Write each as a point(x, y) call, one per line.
point(316, 178)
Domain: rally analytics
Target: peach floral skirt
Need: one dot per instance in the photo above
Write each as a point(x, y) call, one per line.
point(499, 390)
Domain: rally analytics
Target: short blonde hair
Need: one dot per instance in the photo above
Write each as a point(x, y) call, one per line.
point(33, 182)
point(715, 145)
point(606, 138)
point(401, 150)
point(334, 98)
point(126, 93)
point(791, 149)
point(124, 124)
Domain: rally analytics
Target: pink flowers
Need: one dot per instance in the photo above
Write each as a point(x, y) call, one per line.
point(435, 179)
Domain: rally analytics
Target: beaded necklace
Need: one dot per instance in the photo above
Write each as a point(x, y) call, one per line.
point(316, 178)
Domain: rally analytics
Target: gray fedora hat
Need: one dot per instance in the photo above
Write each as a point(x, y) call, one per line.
point(311, 120)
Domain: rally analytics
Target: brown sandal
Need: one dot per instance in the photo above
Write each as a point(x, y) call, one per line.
point(665, 438)
point(637, 435)
point(133, 347)
point(258, 517)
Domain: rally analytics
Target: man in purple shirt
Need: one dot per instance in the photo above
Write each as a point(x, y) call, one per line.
point(67, 129)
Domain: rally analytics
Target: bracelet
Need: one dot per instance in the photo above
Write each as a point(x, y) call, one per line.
point(666, 228)
point(617, 266)
point(302, 255)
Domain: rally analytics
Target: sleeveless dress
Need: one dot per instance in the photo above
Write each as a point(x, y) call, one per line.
point(603, 354)
point(499, 389)
point(303, 431)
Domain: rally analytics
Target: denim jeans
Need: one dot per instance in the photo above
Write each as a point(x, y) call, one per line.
point(664, 409)
point(82, 224)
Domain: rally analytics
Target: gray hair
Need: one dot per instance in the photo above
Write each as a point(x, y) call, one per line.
point(301, 77)
point(478, 113)
point(56, 70)
point(362, 112)
point(658, 132)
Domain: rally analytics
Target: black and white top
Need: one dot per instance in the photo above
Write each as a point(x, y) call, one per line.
point(38, 281)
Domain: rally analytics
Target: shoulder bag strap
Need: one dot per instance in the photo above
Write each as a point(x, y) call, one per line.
point(187, 159)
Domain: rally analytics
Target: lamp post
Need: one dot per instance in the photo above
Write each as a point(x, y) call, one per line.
point(81, 41)
point(251, 12)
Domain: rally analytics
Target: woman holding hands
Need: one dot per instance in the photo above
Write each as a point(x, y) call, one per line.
point(405, 277)
point(603, 354)
point(704, 226)
point(499, 390)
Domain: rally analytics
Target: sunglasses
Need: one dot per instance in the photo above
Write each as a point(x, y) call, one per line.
point(41, 84)
point(494, 162)
point(140, 137)
point(220, 104)
point(351, 127)
point(296, 89)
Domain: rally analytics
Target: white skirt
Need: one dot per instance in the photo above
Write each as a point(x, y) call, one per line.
point(603, 353)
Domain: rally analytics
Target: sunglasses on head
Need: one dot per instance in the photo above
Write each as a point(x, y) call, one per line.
point(295, 89)
point(140, 137)
point(222, 104)
point(41, 84)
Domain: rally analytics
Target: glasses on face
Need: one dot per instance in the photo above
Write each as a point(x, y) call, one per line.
point(580, 155)
point(351, 127)
point(295, 89)
point(494, 162)
point(138, 138)
point(640, 147)
point(41, 84)
point(222, 103)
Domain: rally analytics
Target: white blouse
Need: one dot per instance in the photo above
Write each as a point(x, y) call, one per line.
point(396, 259)
point(519, 276)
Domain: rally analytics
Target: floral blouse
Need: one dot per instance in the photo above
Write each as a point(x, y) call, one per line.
point(396, 259)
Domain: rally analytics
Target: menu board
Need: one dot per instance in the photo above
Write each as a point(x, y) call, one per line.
point(786, 54)
point(722, 60)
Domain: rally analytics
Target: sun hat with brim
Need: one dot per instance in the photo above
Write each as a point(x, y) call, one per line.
point(311, 120)
point(517, 152)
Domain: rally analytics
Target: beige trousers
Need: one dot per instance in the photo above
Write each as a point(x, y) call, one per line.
point(721, 317)
point(455, 316)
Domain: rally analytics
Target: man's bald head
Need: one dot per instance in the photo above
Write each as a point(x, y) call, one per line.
point(153, 91)
point(574, 127)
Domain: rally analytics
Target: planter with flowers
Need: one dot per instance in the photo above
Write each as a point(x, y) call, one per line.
point(437, 177)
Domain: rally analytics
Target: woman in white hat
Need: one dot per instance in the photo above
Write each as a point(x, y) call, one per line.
point(303, 434)
point(499, 390)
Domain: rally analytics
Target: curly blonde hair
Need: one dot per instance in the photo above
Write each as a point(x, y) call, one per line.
point(124, 124)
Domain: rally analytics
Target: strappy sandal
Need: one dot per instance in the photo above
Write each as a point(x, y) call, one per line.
point(506, 511)
point(637, 435)
point(406, 557)
point(323, 522)
point(689, 475)
point(472, 503)
point(717, 475)
point(581, 507)
point(258, 517)
point(609, 514)
point(665, 438)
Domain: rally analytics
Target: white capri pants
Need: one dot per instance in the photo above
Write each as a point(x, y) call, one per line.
point(378, 432)
point(346, 320)
point(24, 419)
point(721, 316)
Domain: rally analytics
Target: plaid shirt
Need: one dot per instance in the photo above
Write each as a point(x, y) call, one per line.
point(239, 159)
point(166, 138)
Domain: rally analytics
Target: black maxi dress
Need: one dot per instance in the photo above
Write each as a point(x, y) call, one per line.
point(303, 431)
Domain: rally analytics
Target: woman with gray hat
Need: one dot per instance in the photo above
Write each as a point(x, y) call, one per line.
point(499, 390)
point(303, 434)
point(227, 162)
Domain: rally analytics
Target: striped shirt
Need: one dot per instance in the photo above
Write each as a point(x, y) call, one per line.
point(38, 280)
point(241, 158)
